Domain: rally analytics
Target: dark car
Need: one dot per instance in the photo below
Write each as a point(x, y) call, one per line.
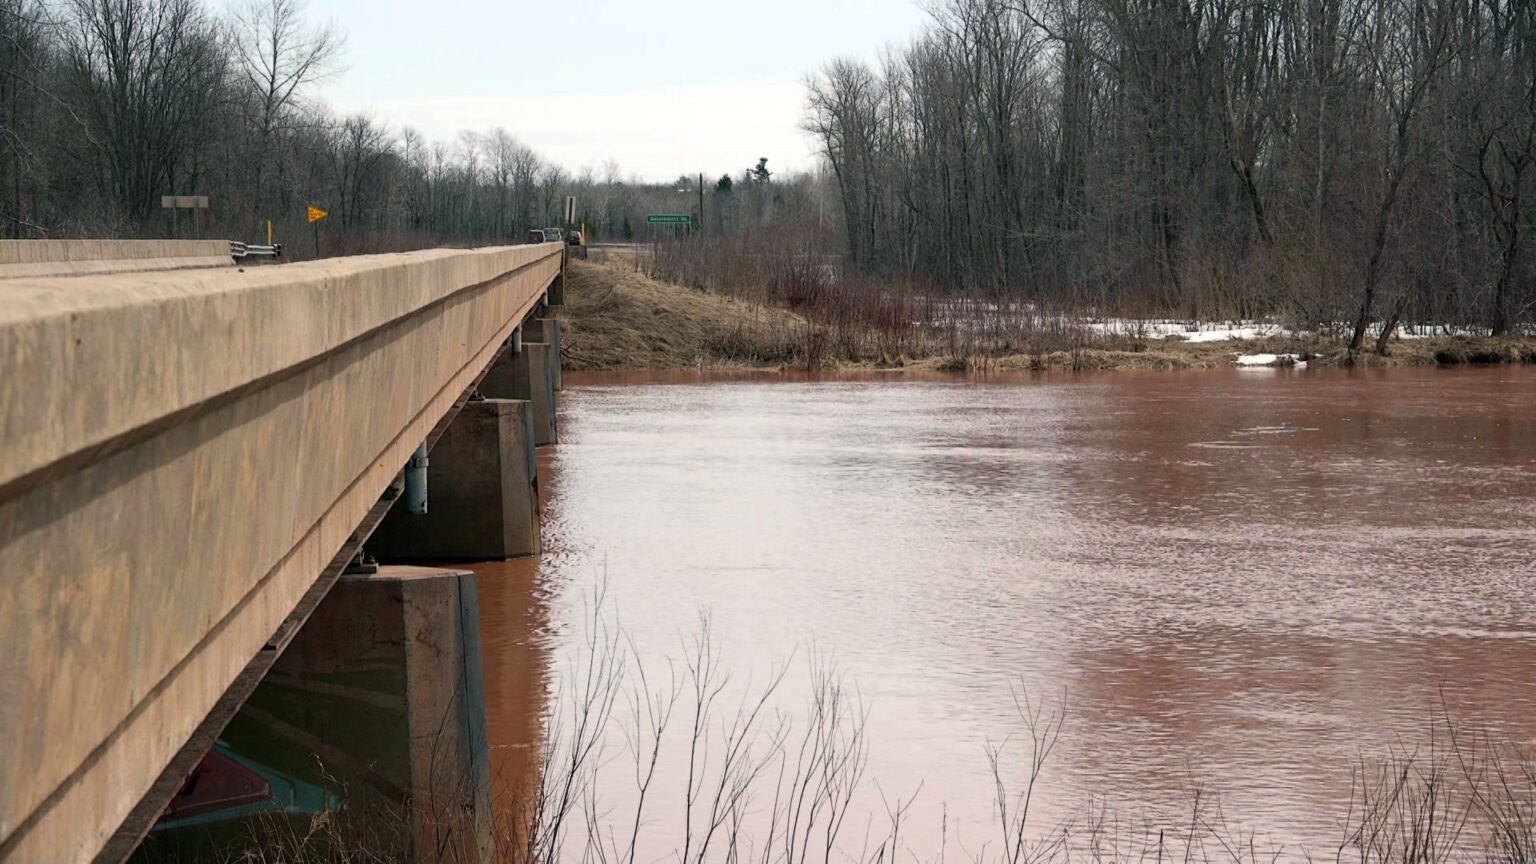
point(573, 238)
point(534, 236)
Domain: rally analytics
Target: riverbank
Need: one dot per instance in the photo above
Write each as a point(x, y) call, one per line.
point(617, 318)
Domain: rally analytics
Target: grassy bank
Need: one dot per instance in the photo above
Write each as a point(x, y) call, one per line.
point(619, 317)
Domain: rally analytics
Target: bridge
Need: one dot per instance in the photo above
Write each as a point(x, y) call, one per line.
point(198, 456)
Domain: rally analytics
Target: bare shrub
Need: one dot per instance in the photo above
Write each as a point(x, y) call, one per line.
point(756, 784)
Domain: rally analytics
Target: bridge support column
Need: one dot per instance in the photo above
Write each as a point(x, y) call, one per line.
point(379, 699)
point(557, 290)
point(506, 379)
point(529, 374)
point(538, 358)
point(550, 329)
point(556, 294)
point(482, 502)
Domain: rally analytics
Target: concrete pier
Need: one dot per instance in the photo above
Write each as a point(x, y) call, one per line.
point(528, 374)
point(548, 331)
point(557, 287)
point(379, 699)
point(482, 498)
point(538, 360)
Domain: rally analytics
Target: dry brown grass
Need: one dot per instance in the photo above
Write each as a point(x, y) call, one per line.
point(616, 318)
point(1120, 353)
point(771, 786)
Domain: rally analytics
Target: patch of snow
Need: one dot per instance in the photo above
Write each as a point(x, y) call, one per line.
point(1263, 360)
point(1192, 331)
point(1225, 334)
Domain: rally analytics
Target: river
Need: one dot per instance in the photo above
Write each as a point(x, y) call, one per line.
point(1242, 581)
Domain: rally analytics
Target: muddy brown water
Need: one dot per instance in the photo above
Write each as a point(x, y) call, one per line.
point(1241, 581)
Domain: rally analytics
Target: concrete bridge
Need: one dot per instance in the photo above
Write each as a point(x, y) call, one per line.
point(192, 457)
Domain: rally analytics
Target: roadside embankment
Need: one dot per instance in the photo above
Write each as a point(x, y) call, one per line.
point(618, 318)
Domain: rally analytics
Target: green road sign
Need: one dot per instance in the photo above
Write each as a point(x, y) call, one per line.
point(668, 219)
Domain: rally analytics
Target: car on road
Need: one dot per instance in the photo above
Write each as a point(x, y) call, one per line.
point(573, 238)
point(534, 235)
point(553, 234)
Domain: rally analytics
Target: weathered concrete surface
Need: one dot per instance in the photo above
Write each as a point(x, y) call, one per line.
point(527, 374)
point(482, 498)
point(38, 258)
point(184, 453)
point(557, 288)
point(508, 376)
point(541, 391)
point(550, 326)
point(380, 698)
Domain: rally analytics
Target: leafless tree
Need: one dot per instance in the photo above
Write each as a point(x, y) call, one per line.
point(1334, 161)
point(147, 78)
point(278, 55)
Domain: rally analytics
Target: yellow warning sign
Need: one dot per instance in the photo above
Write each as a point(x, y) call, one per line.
point(316, 214)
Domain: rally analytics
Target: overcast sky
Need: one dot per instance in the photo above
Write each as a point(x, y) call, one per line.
point(662, 87)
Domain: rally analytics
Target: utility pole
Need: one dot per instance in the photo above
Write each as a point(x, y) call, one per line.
point(701, 204)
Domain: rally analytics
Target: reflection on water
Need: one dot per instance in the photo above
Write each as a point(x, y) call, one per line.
point(1238, 579)
point(516, 669)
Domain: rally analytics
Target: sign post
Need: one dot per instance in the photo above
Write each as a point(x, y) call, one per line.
point(315, 215)
point(667, 219)
point(177, 203)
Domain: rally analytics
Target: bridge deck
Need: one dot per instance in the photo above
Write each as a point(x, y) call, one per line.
point(185, 453)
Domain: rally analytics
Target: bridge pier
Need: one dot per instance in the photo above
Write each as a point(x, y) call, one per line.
point(549, 328)
point(529, 372)
point(538, 362)
point(557, 290)
point(482, 499)
point(379, 701)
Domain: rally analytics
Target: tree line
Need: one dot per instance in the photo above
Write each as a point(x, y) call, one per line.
point(1350, 162)
point(108, 105)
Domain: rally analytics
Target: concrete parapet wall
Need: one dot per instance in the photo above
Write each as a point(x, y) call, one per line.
point(41, 258)
point(184, 453)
